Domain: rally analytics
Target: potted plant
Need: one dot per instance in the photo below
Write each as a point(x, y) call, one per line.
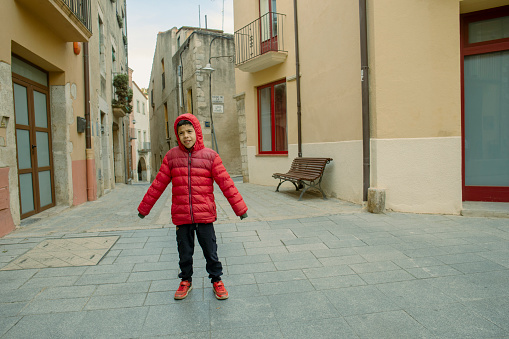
point(123, 94)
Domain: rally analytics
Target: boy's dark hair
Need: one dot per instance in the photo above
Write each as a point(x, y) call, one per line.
point(184, 122)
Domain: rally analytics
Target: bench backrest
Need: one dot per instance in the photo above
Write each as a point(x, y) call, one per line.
point(309, 168)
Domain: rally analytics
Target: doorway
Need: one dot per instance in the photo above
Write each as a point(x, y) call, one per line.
point(268, 26)
point(142, 170)
point(485, 105)
point(33, 141)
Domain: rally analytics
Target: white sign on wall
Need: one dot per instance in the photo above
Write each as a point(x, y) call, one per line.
point(218, 99)
point(217, 109)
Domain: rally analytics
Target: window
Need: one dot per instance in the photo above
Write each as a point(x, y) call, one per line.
point(143, 108)
point(166, 120)
point(268, 25)
point(162, 75)
point(113, 59)
point(138, 106)
point(272, 136)
point(190, 101)
point(101, 35)
point(103, 87)
point(152, 95)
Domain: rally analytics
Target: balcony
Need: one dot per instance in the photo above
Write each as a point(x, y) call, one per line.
point(69, 19)
point(144, 147)
point(260, 44)
point(119, 111)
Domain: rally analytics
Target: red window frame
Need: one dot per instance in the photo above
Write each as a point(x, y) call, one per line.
point(273, 119)
point(479, 193)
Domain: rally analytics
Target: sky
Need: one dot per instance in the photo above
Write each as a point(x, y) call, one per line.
point(145, 18)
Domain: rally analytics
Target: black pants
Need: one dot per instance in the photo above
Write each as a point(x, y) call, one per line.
point(207, 240)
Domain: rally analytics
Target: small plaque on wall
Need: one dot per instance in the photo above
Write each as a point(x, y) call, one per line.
point(217, 109)
point(218, 99)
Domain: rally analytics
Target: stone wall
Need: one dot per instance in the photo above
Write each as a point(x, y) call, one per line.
point(8, 139)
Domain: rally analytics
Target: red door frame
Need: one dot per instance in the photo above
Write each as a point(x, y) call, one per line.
point(272, 119)
point(479, 193)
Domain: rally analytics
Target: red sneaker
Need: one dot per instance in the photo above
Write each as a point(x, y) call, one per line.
point(219, 290)
point(184, 288)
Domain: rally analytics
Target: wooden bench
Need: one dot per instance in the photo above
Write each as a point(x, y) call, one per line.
point(304, 172)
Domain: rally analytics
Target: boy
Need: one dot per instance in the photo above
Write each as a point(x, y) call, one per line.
point(192, 168)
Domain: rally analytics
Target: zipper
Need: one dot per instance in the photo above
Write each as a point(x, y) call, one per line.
point(189, 187)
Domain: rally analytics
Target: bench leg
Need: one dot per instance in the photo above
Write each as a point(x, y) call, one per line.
point(323, 194)
point(303, 191)
point(317, 186)
point(277, 189)
point(282, 181)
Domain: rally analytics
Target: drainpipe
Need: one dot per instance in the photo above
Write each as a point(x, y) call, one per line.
point(87, 96)
point(297, 77)
point(365, 99)
point(126, 161)
point(89, 153)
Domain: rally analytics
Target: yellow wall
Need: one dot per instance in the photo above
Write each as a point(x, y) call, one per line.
point(415, 69)
point(415, 97)
point(330, 67)
point(25, 35)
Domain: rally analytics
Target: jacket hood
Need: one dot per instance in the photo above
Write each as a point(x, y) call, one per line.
point(197, 128)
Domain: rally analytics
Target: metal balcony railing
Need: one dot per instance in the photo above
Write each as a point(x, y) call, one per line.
point(263, 35)
point(81, 8)
point(144, 146)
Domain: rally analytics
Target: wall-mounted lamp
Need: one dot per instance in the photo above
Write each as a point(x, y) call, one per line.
point(208, 68)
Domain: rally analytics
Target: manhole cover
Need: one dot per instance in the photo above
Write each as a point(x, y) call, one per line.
point(64, 253)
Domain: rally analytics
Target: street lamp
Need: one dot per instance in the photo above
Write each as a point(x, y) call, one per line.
point(208, 69)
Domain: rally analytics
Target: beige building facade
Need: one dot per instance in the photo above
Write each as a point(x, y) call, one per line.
point(50, 137)
point(193, 72)
point(414, 72)
point(42, 75)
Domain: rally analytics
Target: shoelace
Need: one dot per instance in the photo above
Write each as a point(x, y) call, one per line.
point(182, 287)
point(220, 288)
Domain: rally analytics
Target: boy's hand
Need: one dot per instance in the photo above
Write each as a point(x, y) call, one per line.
point(141, 215)
point(243, 216)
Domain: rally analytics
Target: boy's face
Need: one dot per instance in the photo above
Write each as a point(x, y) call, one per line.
point(187, 135)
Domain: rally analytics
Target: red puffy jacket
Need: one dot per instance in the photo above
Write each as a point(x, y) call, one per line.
point(192, 173)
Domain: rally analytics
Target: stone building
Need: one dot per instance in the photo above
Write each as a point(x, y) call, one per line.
point(408, 97)
point(109, 125)
point(181, 83)
point(141, 136)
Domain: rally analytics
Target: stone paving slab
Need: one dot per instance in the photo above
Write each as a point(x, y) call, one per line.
point(333, 273)
point(63, 253)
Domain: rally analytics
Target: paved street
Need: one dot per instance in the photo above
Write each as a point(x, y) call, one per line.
point(294, 269)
